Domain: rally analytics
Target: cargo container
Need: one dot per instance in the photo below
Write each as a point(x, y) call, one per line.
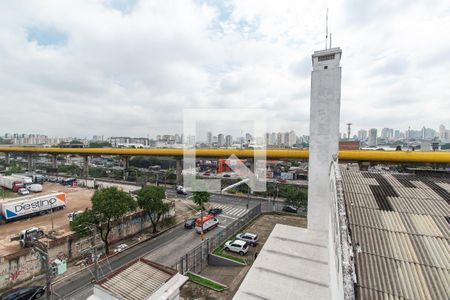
point(25, 179)
point(28, 206)
point(11, 183)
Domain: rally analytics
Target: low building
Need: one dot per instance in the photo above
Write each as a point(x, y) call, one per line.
point(140, 279)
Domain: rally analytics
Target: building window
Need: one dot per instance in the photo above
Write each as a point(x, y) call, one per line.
point(326, 67)
point(326, 57)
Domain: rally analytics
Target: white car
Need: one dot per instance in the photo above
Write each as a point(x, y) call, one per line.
point(237, 246)
point(251, 238)
point(120, 248)
point(23, 191)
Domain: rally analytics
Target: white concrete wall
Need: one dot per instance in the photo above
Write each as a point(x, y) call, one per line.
point(324, 132)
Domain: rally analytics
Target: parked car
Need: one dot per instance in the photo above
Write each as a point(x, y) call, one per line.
point(190, 223)
point(181, 190)
point(237, 246)
point(120, 248)
point(250, 238)
point(23, 191)
point(290, 208)
point(215, 211)
point(31, 293)
point(226, 175)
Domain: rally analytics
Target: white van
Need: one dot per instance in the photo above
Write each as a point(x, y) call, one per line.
point(35, 187)
point(209, 222)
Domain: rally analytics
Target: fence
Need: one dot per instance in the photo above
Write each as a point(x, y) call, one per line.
point(197, 259)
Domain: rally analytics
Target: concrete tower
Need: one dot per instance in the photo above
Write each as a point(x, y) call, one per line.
point(323, 132)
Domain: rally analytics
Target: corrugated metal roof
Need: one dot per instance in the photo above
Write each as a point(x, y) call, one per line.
point(137, 281)
point(400, 234)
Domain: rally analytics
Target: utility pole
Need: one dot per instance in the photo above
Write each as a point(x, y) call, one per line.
point(94, 242)
point(202, 236)
point(41, 248)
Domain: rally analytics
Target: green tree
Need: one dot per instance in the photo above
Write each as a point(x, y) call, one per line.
point(108, 205)
point(100, 145)
point(151, 200)
point(167, 174)
point(200, 198)
point(295, 196)
point(15, 168)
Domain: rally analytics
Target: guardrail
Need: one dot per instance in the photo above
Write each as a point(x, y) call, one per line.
point(197, 259)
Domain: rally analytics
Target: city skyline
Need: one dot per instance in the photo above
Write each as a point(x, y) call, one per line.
point(228, 54)
point(224, 139)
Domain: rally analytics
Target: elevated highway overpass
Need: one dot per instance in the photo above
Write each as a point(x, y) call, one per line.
point(347, 155)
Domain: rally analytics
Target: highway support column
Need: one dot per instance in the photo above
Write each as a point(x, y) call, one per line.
point(179, 171)
point(55, 162)
point(30, 162)
point(126, 166)
point(86, 166)
point(7, 159)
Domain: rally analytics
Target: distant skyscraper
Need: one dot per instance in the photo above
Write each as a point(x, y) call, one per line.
point(209, 138)
point(372, 137)
point(387, 133)
point(362, 135)
point(228, 141)
point(273, 138)
point(220, 140)
point(279, 139)
point(292, 138)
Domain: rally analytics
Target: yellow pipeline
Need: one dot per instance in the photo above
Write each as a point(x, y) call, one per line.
point(353, 155)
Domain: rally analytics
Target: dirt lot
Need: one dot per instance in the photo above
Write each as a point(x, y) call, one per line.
point(233, 276)
point(76, 199)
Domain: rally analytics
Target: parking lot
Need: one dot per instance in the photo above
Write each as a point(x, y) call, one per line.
point(233, 276)
point(77, 198)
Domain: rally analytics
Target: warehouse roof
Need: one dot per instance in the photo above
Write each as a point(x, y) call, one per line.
point(400, 229)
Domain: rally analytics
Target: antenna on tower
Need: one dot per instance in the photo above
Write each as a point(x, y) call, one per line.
point(330, 40)
point(326, 31)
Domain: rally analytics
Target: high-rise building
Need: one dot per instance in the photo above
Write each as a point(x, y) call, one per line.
point(273, 139)
point(387, 133)
point(292, 138)
point(362, 134)
point(220, 140)
point(209, 138)
point(372, 141)
point(280, 137)
point(228, 141)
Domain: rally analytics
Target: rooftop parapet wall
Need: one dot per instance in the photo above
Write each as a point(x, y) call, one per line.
point(341, 262)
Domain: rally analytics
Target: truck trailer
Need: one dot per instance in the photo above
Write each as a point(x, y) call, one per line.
point(11, 183)
point(25, 179)
point(28, 206)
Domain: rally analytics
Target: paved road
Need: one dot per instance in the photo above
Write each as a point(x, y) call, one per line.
point(165, 249)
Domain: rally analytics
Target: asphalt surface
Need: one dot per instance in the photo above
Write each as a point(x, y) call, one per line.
point(165, 249)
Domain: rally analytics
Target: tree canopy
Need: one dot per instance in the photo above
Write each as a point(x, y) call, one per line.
point(295, 196)
point(200, 198)
point(108, 205)
point(151, 200)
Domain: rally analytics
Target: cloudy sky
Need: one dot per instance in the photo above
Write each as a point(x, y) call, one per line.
point(116, 67)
